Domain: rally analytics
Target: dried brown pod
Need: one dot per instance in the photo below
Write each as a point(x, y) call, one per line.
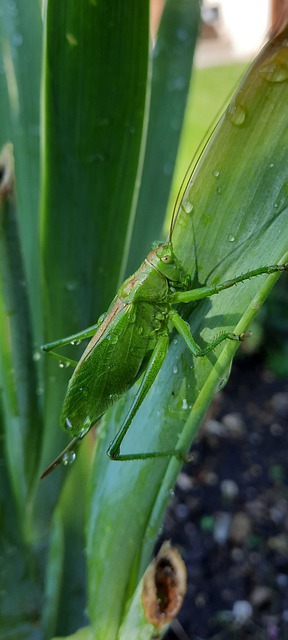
point(164, 586)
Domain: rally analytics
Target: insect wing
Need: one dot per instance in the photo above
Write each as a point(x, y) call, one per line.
point(109, 366)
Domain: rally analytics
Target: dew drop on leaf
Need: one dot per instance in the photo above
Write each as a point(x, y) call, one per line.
point(237, 113)
point(68, 458)
point(274, 71)
point(187, 206)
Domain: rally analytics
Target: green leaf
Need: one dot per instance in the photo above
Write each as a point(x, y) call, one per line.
point(233, 218)
point(94, 101)
point(21, 415)
point(20, 66)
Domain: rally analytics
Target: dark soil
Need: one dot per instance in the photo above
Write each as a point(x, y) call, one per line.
point(229, 517)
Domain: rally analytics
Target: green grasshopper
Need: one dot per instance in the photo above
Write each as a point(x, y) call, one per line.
point(140, 316)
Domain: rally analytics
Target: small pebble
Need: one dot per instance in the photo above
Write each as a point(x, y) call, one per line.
point(240, 528)
point(276, 429)
point(229, 489)
point(184, 482)
point(215, 428)
point(261, 596)
point(234, 424)
point(280, 403)
point(222, 527)
point(242, 612)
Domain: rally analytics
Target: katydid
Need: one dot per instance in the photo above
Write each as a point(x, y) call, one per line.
point(130, 340)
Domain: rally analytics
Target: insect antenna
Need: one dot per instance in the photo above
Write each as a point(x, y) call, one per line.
point(198, 155)
point(188, 175)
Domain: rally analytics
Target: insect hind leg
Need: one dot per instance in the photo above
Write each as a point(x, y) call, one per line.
point(73, 339)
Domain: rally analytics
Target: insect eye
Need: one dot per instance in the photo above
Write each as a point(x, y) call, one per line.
point(166, 259)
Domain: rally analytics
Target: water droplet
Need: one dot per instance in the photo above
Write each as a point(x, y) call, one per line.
point(216, 173)
point(103, 122)
point(271, 165)
point(182, 34)
point(187, 206)
point(274, 70)
point(72, 285)
point(177, 84)
point(114, 338)
point(276, 205)
point(132, 129)
point(68, 424)
point(175, 369)
point(75, 342)
point(185, 404)
point(39, 391)
point(68, 458)
point(237, 113)
point(17, 39)
point(61, 365)
point(168, 168)
point(218, 190)
point(86, 427)
point(97, 158)
point(36, 356)
point(71, 40)
point(231, 238)
point(175, 340)
point(12, 8)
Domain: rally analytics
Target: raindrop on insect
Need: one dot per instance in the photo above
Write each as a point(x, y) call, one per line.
point(85, 428)
point(68, 423)
point(237, 113)
point(75, 342)
point(68, 458)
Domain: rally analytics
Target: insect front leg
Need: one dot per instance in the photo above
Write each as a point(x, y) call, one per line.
point(206, 292)
point(153, 368)
point(75, 338)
